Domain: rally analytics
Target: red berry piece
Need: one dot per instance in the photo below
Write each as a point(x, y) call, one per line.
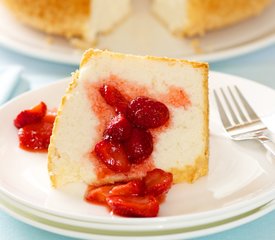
point(50, 117)
point(114, 98)
point(139, 146)
point(119, 129)
point(30, 116)
point(133, 206)
point(134, 187)
point(98, 195)
point(147, 113)
point(112, 155)
point(158, 182)
point(36, 136)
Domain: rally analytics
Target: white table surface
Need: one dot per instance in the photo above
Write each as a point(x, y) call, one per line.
point(258, 66)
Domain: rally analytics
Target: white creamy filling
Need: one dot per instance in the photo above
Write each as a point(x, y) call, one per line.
point(104, 14)
point(172, 13)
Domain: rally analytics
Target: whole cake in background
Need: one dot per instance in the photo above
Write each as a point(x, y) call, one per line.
point(124, 115)
point(87, 19)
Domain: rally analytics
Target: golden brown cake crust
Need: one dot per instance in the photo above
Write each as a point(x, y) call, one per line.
point(207, 15)
point(62, 17)
point(89, 53)
point(52, 151)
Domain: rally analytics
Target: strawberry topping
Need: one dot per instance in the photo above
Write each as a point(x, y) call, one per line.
point(36, 136)
point(98, 195)
point(114, 98)
point(126, 141)
point(30, 116)
point(137, 198)
point(139, 146)
point(158, 182)
point(147, 113)
point(112, 155)
point(133, 206)
point(134, 187)
point(119, 129)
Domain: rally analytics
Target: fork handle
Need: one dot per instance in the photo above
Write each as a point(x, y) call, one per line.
point(267, 143)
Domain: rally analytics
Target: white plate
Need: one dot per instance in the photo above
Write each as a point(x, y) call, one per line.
point(240, 178)
point(143, 34)
point(17, 212)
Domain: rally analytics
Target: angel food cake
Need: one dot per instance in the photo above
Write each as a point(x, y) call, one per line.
point(86, 19)
point(123, 116)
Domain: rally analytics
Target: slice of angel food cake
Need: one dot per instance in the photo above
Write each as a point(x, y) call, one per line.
point(131, 126)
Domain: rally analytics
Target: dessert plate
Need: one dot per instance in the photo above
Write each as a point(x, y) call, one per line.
point(136, 36)
point(241, 177)
point(17, 212)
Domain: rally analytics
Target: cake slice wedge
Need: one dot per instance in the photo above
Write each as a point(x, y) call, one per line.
point(179, 144)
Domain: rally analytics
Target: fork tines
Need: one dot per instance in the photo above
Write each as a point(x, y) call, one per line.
point(233, 108)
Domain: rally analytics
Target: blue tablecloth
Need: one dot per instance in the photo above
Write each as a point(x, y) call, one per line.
point(258, 66)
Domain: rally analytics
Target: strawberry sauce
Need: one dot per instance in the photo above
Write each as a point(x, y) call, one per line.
point(177, 98)
point(35, 137)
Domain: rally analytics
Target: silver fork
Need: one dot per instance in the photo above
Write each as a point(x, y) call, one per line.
point(239, 119)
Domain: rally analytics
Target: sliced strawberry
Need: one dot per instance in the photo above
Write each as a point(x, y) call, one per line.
point(98, 195)
point(30, 116)
point(134, 187)
point(119, 129)
point(158, 182)
point(139, 146)
point(50, 117)
point(133, 206)
point(36, 136)
point(147, 113)
point(112, 155)
point(114, 98)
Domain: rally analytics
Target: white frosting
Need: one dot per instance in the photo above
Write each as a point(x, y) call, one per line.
point(104, 15)
point(172, 13)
